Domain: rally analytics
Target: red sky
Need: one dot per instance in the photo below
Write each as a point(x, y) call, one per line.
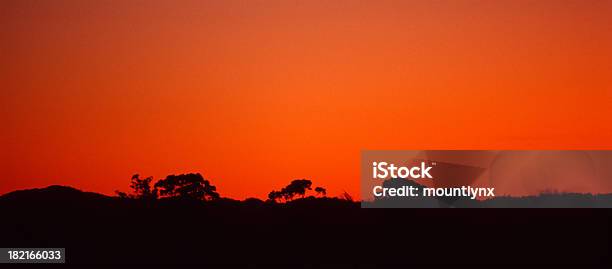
point(253, 94)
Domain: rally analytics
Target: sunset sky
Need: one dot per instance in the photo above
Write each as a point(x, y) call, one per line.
point(253, 94)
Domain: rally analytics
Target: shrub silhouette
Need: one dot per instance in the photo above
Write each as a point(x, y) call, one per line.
point(321, 191)
point(346, 196)
point(191, 186)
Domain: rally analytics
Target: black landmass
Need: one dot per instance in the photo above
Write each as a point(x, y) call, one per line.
point(103, 231)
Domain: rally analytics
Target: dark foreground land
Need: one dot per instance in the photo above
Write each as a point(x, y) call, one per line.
point(100, 231)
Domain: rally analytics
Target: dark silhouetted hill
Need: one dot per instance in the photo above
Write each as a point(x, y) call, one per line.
point(103, 231)
point(53, 193)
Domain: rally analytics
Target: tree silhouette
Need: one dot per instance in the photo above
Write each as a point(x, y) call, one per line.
point(142, 187)
point(321, 191)
point(296, 187)
point(192, 186)
point(275, 195)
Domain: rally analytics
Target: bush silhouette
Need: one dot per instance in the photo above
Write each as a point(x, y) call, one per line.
point(321, 191)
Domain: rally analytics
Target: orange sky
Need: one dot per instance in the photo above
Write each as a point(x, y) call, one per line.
point(253, 94)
